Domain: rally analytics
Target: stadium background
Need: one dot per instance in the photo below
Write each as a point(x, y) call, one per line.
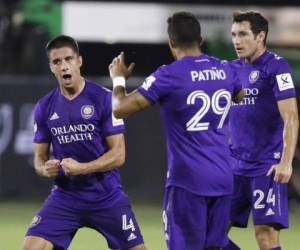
point(103, 29)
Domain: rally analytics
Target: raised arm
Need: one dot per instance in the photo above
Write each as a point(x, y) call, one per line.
point(113, 158)
point(124, 104)
point(289, 113)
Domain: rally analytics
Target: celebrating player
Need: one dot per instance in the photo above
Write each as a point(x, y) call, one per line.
point(195, 94)
point(88, 146)
point(264, 132)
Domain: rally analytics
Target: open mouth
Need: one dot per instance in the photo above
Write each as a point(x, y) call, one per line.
point(67, 77)
point(239, 50)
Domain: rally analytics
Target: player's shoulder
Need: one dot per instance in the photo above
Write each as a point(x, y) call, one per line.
point(236, 63)
point(275, 61)
point(48, 98)
point(95, 88)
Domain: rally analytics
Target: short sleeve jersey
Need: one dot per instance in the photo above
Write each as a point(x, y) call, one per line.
point(194, 94)
point(77, 129)
point(256, 124)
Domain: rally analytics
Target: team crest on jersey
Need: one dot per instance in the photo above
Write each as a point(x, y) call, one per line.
point(87, 111)
point(36, 220)
point(253, 76)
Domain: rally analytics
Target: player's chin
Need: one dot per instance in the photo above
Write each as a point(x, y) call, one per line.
point(240, 54)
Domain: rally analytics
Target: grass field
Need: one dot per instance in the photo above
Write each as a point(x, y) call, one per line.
point(16, 216)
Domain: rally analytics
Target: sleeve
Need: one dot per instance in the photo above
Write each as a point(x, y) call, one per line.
point(156, 86)
point(282, 80)
point(42, 134)
point(236, 82)
point(110, 125)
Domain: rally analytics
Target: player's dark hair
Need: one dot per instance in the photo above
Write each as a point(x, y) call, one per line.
point(184, 29)
point(257, 21)
point(62, 41)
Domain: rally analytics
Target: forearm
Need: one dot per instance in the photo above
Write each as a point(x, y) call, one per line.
point(108, 161)
point(39, 164)
point(290, 136)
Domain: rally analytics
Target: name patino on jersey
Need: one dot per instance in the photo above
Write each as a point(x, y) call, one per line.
point(73, 133)
point(208, 74)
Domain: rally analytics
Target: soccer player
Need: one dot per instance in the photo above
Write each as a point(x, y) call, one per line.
point(264, 132)
point(195, 94)
point(76, 120)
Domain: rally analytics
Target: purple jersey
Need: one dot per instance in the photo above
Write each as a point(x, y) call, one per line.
point(77, 129)
point(256, 123)
point(195, 96)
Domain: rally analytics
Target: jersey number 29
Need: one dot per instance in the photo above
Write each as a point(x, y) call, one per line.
point(194, 123)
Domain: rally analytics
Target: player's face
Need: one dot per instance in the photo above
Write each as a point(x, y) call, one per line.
point(246, 44)
point(65, 65)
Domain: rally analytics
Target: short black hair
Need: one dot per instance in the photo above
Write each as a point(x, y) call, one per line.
point(257, 21)
point(62, 41)
point(184, 29)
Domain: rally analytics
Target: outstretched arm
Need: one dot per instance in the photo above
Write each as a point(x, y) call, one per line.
point(289, 113)
point(124, 104)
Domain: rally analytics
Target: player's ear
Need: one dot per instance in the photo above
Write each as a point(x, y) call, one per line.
point(261, 36)
point(80, 60)
point(172, 44)
point(51, 67)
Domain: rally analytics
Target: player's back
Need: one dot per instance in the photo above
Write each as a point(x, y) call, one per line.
point(195, 97)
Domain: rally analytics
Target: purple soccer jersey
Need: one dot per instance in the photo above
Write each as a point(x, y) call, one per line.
point(256, 123)
point(195, 96)
point(77, 129)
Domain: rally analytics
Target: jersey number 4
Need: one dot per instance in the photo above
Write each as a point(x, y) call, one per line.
point(194, 123)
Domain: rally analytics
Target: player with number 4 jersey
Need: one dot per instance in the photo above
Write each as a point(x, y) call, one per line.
point(195, 94)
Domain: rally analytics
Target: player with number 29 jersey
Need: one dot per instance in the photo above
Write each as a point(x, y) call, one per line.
point(195, 96)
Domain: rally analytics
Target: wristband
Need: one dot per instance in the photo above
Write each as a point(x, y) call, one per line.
point(119, 81)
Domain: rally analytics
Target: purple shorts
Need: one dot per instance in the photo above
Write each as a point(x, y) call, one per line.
point(264, 197)
point(193, 222)
point(57, 221)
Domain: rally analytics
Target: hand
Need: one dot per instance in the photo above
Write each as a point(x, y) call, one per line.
point(283, 172)
point(119, 68)
point(72, 167)
point(51, 168)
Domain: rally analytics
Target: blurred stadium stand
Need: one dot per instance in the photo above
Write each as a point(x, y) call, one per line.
point(26, 26)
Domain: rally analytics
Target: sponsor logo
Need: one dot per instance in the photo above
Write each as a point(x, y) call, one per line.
point(87, 111)
point(73, 133)
point(36, 220)
point(253, 76)
point(34, 127)
point(270, 212)
point(284, 81)
point(277, 155)
point(54, 116)
point(116, 121)
point(148, 82)
point(250, 97)
point(131, 237)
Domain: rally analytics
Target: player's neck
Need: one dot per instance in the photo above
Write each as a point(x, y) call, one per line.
point(183, 52)
point(255, 55)
point(72, 93)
